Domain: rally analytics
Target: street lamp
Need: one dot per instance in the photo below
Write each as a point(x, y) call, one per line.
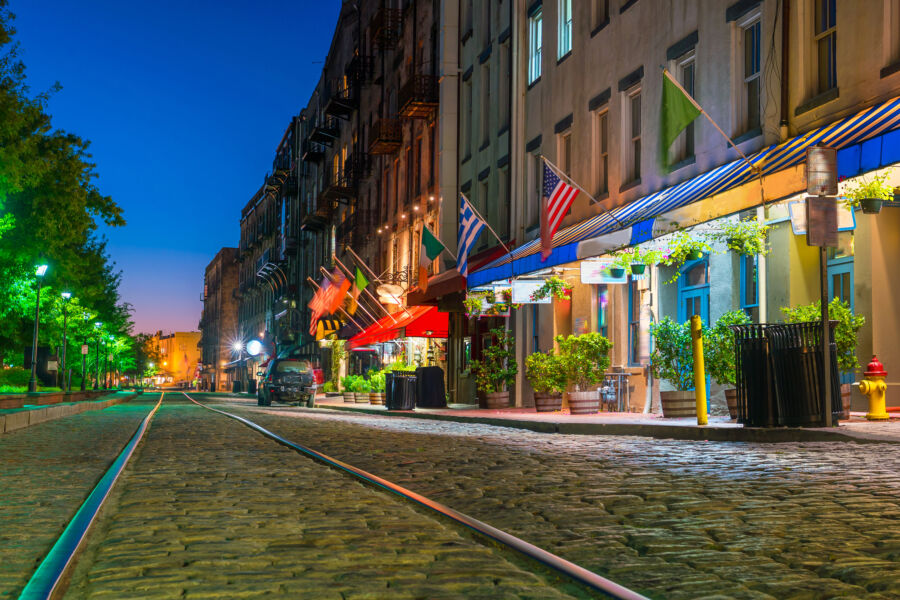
point(66, 296)
point(97, 326)
point(32, 383)
point(106, 373)
point(239, 348)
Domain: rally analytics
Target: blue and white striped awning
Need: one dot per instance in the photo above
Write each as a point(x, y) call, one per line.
point(866, 141)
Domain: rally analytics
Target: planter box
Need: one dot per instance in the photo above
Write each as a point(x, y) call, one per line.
point(846, 390)
point(547, 402)
point(678, 404)
point(361, 397)
point(12, 401)
point(376, 398)
point(349, 397)
point(731, 401)
point(584, 403)
point(497, 400)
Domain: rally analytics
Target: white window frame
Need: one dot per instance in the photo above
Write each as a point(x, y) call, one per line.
point(818, 37)
point(564, 28)
point(742, 79)
point(535, 45)
point(679, 66)
point(891, 36)
point(601, 150)
point(632, 167)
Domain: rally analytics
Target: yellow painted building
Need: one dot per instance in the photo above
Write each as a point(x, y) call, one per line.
point(179, 355)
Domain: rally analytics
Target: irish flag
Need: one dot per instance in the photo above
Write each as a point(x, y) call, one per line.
point(429, 250)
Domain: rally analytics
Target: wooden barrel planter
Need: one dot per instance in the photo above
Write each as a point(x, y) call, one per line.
point(731, 401)
point(376, 398)
point(678, 404)
point(496, 400)
point(845, 401)
point(547, 402)
point(584, 403)
point(349, 397)
point(361, 397)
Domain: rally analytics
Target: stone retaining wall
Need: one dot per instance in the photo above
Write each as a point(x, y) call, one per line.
point(20, 419)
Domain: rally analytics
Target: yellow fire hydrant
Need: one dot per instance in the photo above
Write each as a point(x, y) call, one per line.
point(874, 387)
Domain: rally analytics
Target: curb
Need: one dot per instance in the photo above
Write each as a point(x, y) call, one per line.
point(22, 418)
point(672, 432)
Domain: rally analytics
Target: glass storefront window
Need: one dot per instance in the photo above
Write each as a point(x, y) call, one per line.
point(603, 310)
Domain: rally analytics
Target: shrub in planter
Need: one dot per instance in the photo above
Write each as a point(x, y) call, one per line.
point(497, 369)
point(376, 387)
point(719, 354)
point(673, 361)
point(554, 286)
point(585, 359)
point(547, 376)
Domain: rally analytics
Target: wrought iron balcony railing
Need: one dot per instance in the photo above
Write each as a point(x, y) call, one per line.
point(386, 136)
point(419, 97)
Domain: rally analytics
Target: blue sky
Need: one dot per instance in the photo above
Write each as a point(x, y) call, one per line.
point(184, 103)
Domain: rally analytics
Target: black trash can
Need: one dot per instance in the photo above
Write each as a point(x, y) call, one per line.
point(403, 392)
point(430, 387)
point(779, 375)
point(236, 386)
point(251, 386)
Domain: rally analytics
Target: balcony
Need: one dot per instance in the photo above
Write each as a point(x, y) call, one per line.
point(386, 136)
point(312, 152)
point(290, 246)
point(385, 26)
point(341, 184)
point(317, 219)
point(419, 97)
point(282, 162)
point(325, 130)
point(343, 98)
point(361, 69)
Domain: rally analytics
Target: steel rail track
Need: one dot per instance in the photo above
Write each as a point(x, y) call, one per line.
point(44, 582)
point(570, 569)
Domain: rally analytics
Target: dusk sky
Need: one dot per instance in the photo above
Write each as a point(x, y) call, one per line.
point(184, 103)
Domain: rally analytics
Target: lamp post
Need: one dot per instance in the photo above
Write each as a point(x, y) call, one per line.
point(106, 363)
point(66, 296)
point(239, 346)
point(32, 383)
point(97, 326)
point(109, 375)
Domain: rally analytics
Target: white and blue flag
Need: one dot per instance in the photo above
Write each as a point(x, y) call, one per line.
point(470, 226)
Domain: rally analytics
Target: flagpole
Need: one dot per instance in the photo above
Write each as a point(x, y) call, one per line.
point(317, 288)
point(340, 308)
point(706, 114)
point(360, 304)
point(444, 246)
point(378, 279)
point(486, 224)
point(365, 290)
point(559, 172)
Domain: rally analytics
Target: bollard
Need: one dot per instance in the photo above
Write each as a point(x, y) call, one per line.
point(699, 370)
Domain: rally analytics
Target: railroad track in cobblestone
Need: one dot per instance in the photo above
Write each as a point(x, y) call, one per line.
point(567, 568)
point(60, 566)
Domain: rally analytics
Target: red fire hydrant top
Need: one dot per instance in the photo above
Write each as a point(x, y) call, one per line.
point(875, 368)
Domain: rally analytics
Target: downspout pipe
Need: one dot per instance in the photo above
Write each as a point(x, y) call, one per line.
point(785, 66)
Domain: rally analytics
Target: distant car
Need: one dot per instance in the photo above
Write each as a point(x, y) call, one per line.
point(285, 380)
point(319, 376)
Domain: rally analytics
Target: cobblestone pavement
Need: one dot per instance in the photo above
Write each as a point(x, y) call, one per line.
point(46, 471)
point(211, 509)
point(671, 519)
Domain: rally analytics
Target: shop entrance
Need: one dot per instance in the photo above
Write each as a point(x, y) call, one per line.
point(693, 290)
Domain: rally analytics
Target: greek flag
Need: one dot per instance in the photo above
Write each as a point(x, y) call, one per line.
point(470, 226)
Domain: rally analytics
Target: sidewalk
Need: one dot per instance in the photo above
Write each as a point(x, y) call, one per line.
point(12, 419)
point(720, 429)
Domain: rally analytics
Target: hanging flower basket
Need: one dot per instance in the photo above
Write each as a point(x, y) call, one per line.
point(638, 268)
point(553, 286)
point(617, 272)
point(871, 206)
point(869, 193)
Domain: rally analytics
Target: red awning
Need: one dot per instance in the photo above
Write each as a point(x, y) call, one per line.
point(417, 321)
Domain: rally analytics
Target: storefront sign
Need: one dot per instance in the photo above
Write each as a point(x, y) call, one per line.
point(821, 171)
point(522, 289)
point(797, 209)
point(597, 271)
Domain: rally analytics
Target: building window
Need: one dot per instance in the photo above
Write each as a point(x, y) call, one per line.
point(750, 96)
point(535, 179)
point(891, 34)
point(564, 29)
point(825, 41)
point(564, 153)
point(601, 152)
point(467, 120)
point(535, 45)
point(601, 13)
point(632, 127)
point(504, 98)
point(750, 286)
point(467, 17)
point(603, 310)
point(486, 20)
point(687, 73)
point(485, 105)
point(483, 203)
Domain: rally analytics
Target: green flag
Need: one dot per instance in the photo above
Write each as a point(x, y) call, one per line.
point(361, 281)
point(678, 110)
point(359, 284)
point(429, 250)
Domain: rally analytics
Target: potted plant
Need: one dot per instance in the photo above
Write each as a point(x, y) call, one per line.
point(547, 376)
point(555, 287)
point(377, 385)
point(622, 263)
point(475, 303)
point(672, 360)
point(347, 384)
point(719, 355)
point(497, 369)
point(746, 237)
point(845, 334)
point(683, 248)
point(585, 359)
point(361, 388)
point(869, 194)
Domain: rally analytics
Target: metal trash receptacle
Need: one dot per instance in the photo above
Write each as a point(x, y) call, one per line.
point(779, 375)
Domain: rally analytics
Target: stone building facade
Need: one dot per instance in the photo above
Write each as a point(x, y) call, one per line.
point(219, 329)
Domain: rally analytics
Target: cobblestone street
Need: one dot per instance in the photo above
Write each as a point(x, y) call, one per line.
point(46, 471)
point(210, 509)
point(670, 519)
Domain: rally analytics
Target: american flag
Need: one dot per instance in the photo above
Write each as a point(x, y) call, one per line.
point(556, 201)
point(470, 227)
point(318, 305)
